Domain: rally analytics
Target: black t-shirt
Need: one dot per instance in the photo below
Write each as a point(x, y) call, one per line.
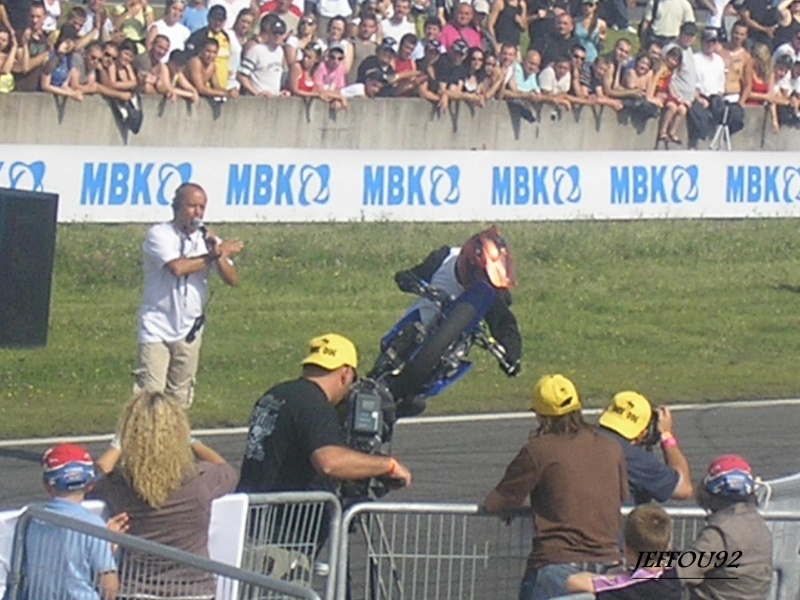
point(372, 62)
point(785, 35)
point(289, 422)
point(762, 13)
point(19, 13)
point(639, 586)
point(448, 72)
point(556, 47)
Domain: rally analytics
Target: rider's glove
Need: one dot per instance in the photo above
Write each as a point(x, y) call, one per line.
point(511, 369)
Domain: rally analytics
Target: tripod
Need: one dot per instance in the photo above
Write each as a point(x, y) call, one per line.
point(723, 133)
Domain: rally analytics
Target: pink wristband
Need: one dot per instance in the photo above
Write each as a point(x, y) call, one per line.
point(668, 441)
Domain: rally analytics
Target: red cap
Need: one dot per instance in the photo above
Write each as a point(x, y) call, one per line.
point(727, 463)
point(68, 467)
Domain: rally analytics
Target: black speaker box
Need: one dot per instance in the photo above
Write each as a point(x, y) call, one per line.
point(27, 249)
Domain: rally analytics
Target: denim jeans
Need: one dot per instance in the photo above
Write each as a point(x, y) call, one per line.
point(546, 582)
point(617, 13)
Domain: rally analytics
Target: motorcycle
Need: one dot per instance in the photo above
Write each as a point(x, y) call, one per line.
point(416, 362)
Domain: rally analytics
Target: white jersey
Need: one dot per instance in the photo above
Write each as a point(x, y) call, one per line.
point(444, 279)
point(170, 304)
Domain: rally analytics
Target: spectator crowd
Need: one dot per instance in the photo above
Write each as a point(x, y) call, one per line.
point(529, 52)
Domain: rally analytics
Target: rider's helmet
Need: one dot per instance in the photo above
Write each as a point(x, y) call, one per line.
point(730, 476)
point(486, 257)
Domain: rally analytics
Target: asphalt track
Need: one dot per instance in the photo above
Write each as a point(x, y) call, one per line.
point(459, 459)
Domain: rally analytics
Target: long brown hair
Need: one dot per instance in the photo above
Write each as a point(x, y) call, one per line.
point(569, 424)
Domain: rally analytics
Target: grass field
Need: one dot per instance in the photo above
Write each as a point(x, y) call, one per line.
point(680, 310)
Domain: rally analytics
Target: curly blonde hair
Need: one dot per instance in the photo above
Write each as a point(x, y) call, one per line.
point(156, 454)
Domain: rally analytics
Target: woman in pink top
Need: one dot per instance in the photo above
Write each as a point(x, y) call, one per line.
point(330, 75)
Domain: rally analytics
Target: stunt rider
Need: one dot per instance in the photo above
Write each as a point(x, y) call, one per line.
point(485, 257)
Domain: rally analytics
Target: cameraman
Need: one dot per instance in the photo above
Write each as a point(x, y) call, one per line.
point(294, 442)
point(631, 421)
point(484, 257)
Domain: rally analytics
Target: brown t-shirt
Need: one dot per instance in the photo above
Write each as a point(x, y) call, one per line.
point(181, 523)
point(576, 484)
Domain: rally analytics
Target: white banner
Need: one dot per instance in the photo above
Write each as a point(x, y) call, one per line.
point(130, 184)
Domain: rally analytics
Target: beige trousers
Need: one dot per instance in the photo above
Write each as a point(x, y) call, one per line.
point(168, 367)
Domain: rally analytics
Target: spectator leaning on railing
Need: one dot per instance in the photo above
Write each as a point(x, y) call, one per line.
point(59, 76)
point(576, 482)
point(8, 55)
point(261, 72)
point(733, 526)
point(61, 563)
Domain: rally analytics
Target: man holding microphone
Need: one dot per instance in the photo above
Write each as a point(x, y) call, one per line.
point(178, 257)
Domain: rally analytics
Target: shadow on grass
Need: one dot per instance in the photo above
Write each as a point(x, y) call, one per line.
point(788, 287)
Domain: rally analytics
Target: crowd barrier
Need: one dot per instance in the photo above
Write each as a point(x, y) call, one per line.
point(301, 546)
point(294, 537)
point(433, 551)
point(378, 124)
point(147, 570)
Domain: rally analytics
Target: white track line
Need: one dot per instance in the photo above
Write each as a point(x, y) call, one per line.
point(411, 421)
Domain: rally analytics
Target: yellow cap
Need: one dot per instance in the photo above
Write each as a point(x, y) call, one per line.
point(331, 351)
point(628, 414)
point(554, 396)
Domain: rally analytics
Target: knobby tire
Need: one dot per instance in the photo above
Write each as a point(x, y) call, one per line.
point(424, 363)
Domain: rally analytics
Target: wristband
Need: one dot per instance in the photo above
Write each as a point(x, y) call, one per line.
point(668, 441)
point(392, 468)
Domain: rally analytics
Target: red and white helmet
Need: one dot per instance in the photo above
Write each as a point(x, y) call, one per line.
point(486, 257)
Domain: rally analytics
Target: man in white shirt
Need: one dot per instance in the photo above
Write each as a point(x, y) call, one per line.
point(710, 67)
point(708, 111)
point(261, 71)
point(555, 81)
point(399, 24)
point(178, 257)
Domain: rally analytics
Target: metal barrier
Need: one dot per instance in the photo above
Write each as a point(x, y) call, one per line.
point(294, 536)
point(57, 558)
point(448, 551)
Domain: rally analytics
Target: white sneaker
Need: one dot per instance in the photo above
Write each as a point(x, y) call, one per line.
point(632, 29)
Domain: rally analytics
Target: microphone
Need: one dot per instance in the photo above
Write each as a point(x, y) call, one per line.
point(198, 224)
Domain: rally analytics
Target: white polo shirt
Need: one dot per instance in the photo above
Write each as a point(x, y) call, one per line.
point(170, 304)
point(710, 74)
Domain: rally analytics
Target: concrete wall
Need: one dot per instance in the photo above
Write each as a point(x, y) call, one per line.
point(408, 124)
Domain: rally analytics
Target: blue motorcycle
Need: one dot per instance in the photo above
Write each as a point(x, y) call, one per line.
point(416, 362)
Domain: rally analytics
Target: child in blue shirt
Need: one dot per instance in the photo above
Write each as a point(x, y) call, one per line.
point(62, 564)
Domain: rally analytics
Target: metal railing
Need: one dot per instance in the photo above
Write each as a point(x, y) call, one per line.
point(449, 551)
point(56, 557)
point(294, 536)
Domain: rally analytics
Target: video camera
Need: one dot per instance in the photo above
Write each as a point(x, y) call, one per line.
point(368, 423)
point(653, 436)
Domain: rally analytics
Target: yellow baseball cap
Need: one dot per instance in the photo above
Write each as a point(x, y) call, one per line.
point(554, 396)
point(331, 351)
point(628, 414)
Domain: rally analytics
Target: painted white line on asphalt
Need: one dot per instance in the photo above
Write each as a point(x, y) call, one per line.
point(85, 439)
